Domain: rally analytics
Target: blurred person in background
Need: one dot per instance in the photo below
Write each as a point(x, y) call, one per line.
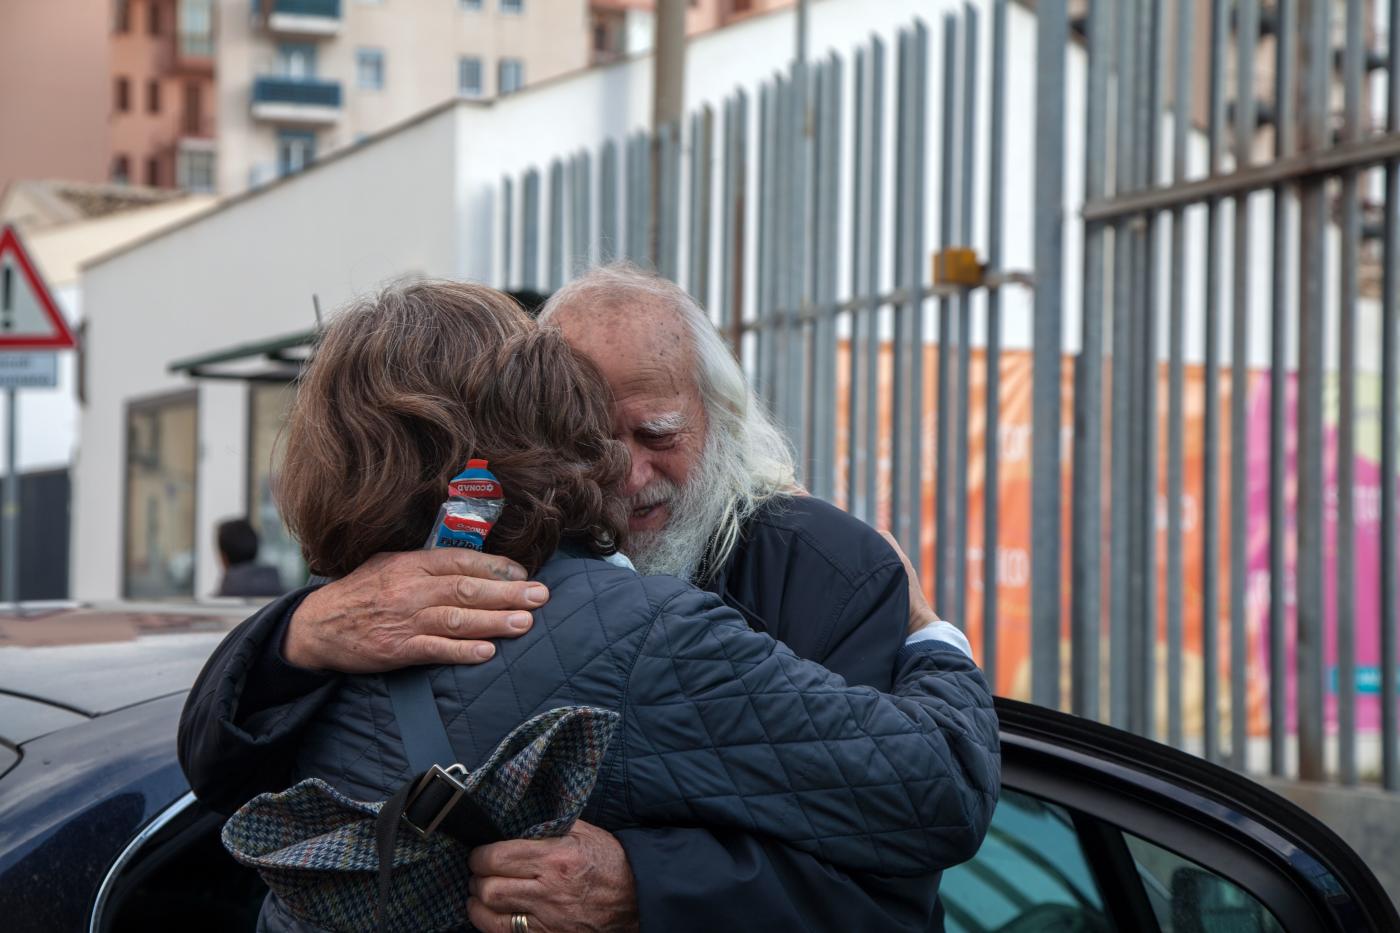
point(238, 553)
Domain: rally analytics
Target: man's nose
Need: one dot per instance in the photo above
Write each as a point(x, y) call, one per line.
point(641, 471)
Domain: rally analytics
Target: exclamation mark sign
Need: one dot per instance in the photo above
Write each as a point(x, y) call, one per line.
point(7, 299)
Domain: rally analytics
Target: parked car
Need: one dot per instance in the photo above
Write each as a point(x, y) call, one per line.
point(1097, 829)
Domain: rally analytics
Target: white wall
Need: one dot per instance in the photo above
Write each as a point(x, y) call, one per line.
point(245, 272)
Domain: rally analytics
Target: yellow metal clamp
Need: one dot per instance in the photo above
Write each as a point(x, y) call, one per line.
point(958, 265)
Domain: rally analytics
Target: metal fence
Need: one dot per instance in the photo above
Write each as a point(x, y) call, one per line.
point(804, 213)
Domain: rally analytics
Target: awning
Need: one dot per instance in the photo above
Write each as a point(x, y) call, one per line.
point(279, 359)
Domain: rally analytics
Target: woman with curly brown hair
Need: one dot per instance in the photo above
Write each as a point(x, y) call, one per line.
point(714, 724)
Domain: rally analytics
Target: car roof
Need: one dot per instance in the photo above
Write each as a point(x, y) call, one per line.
point(90, 660)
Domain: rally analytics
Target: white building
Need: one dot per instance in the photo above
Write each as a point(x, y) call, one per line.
point(298, 79)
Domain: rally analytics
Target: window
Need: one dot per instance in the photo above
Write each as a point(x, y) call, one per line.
point(1185, 896)
point(121, 170)
point(194, 171)
point(268, 406)
point(369, 69)
point(196, 28)
point(192, 118)
point(153, 25)
point(122, 94)
point(121, 17)
point(296, 150)
point(296, 60)
point(153, 172)
point(473, 5)
point(511, 76)
point(161, 449)
point(512, 6)
point(469, 76)
point(153, 96)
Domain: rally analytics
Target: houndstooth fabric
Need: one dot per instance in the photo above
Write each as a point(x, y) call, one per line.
point(315, 847)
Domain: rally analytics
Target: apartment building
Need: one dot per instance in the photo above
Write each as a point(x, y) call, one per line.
point(618, 28)
point(301, 78)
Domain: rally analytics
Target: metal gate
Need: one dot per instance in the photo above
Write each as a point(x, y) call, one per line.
point(1237, 175)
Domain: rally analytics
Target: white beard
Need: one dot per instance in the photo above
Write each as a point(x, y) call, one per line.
point(678, 548)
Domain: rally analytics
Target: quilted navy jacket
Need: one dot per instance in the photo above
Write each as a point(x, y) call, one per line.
point(721, 726)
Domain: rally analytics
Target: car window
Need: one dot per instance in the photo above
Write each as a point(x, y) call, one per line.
point(1188, 898)
point(1030, 875)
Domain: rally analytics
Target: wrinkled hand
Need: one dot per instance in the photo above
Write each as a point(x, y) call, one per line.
point(413, 607)
point(920, 612)
point(579, 883)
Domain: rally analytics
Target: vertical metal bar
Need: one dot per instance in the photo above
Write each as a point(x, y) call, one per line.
point(641, 209)
point(991, 492)
point(530, 232)
point(1120, 447)
point(698, 166)
point(1246, 34)
point(782, 233)
point(1052, 35)
point(731, 256)
point(608, 246)
point(700, 228)
point(858, 459)
point(1316, 60)
point(1210, 480)
point(636, 206)
point(1176, 415)
point(556, 225)
point(1352, 72)
point(798, 244)
point(763, 271)
point(1285, 13)
point(1390, 597)
point(946, 455)
point(826, 188)
point(915, 284)
point(669, 215)
point(872, 276)
point(507, 231)
point(967, 177)
point(11, 537)
point(899, 439)
point(583, 246)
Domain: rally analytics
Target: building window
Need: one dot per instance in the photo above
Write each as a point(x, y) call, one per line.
point(511, 76)
point(194, 171)
point(473, 5)
point(296, 60)
point(121, 17)
point(153, 24)
point(196, 19)
point(121, 170)
point(161, 454)
point(268, 407)
point(122, 95)
point(192, 121)
point(153, 172)
point(369, 69)
point(512, 6)
point(469, 76)
point(296, 149)
point(153, 96)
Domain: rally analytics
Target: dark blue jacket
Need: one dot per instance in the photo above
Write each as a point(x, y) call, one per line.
point(806, 573)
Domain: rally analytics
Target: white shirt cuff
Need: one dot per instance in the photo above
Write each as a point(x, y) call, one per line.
point(946, 632)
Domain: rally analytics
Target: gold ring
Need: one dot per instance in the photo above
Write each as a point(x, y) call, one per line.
point(519, 923)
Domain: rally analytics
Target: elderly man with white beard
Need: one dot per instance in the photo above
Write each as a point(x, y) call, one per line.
point(713, 501)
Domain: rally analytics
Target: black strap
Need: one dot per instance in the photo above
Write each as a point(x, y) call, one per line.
point(425, 738)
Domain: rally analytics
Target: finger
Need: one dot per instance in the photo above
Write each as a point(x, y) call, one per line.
point(469, 563)
point(451, 622)
point(434, 649)
point(486, 920)
point(507, 895)
point(480, 593)
point(515, 858)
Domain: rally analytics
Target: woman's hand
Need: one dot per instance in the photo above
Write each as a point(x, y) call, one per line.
point(920, 612)
point(413, 607)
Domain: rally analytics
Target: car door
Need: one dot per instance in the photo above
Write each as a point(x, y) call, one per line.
point(1101, 830)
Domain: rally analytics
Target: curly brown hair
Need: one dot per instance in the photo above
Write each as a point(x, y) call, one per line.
point(404, 388)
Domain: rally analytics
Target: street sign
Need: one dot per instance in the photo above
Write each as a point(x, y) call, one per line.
point(30, 369)
point(29, 317)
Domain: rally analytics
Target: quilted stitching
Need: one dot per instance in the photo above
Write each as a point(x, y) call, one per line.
point(720, 726)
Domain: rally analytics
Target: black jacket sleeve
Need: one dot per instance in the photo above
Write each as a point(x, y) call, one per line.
point(239, 729)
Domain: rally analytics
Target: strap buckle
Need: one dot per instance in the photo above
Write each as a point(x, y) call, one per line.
point(444, 788)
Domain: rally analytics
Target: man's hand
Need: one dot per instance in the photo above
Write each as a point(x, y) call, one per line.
point(580, 883)
point(920, 612)
point(413, 607)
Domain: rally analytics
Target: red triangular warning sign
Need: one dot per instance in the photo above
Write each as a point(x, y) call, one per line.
point(29, 318)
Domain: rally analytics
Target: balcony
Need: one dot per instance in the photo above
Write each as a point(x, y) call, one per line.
point(307, 101)
point(304, 17)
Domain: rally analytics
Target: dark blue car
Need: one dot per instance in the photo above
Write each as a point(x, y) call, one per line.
point(1097, 830)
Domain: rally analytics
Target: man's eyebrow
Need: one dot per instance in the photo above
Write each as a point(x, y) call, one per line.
point(664, 424)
